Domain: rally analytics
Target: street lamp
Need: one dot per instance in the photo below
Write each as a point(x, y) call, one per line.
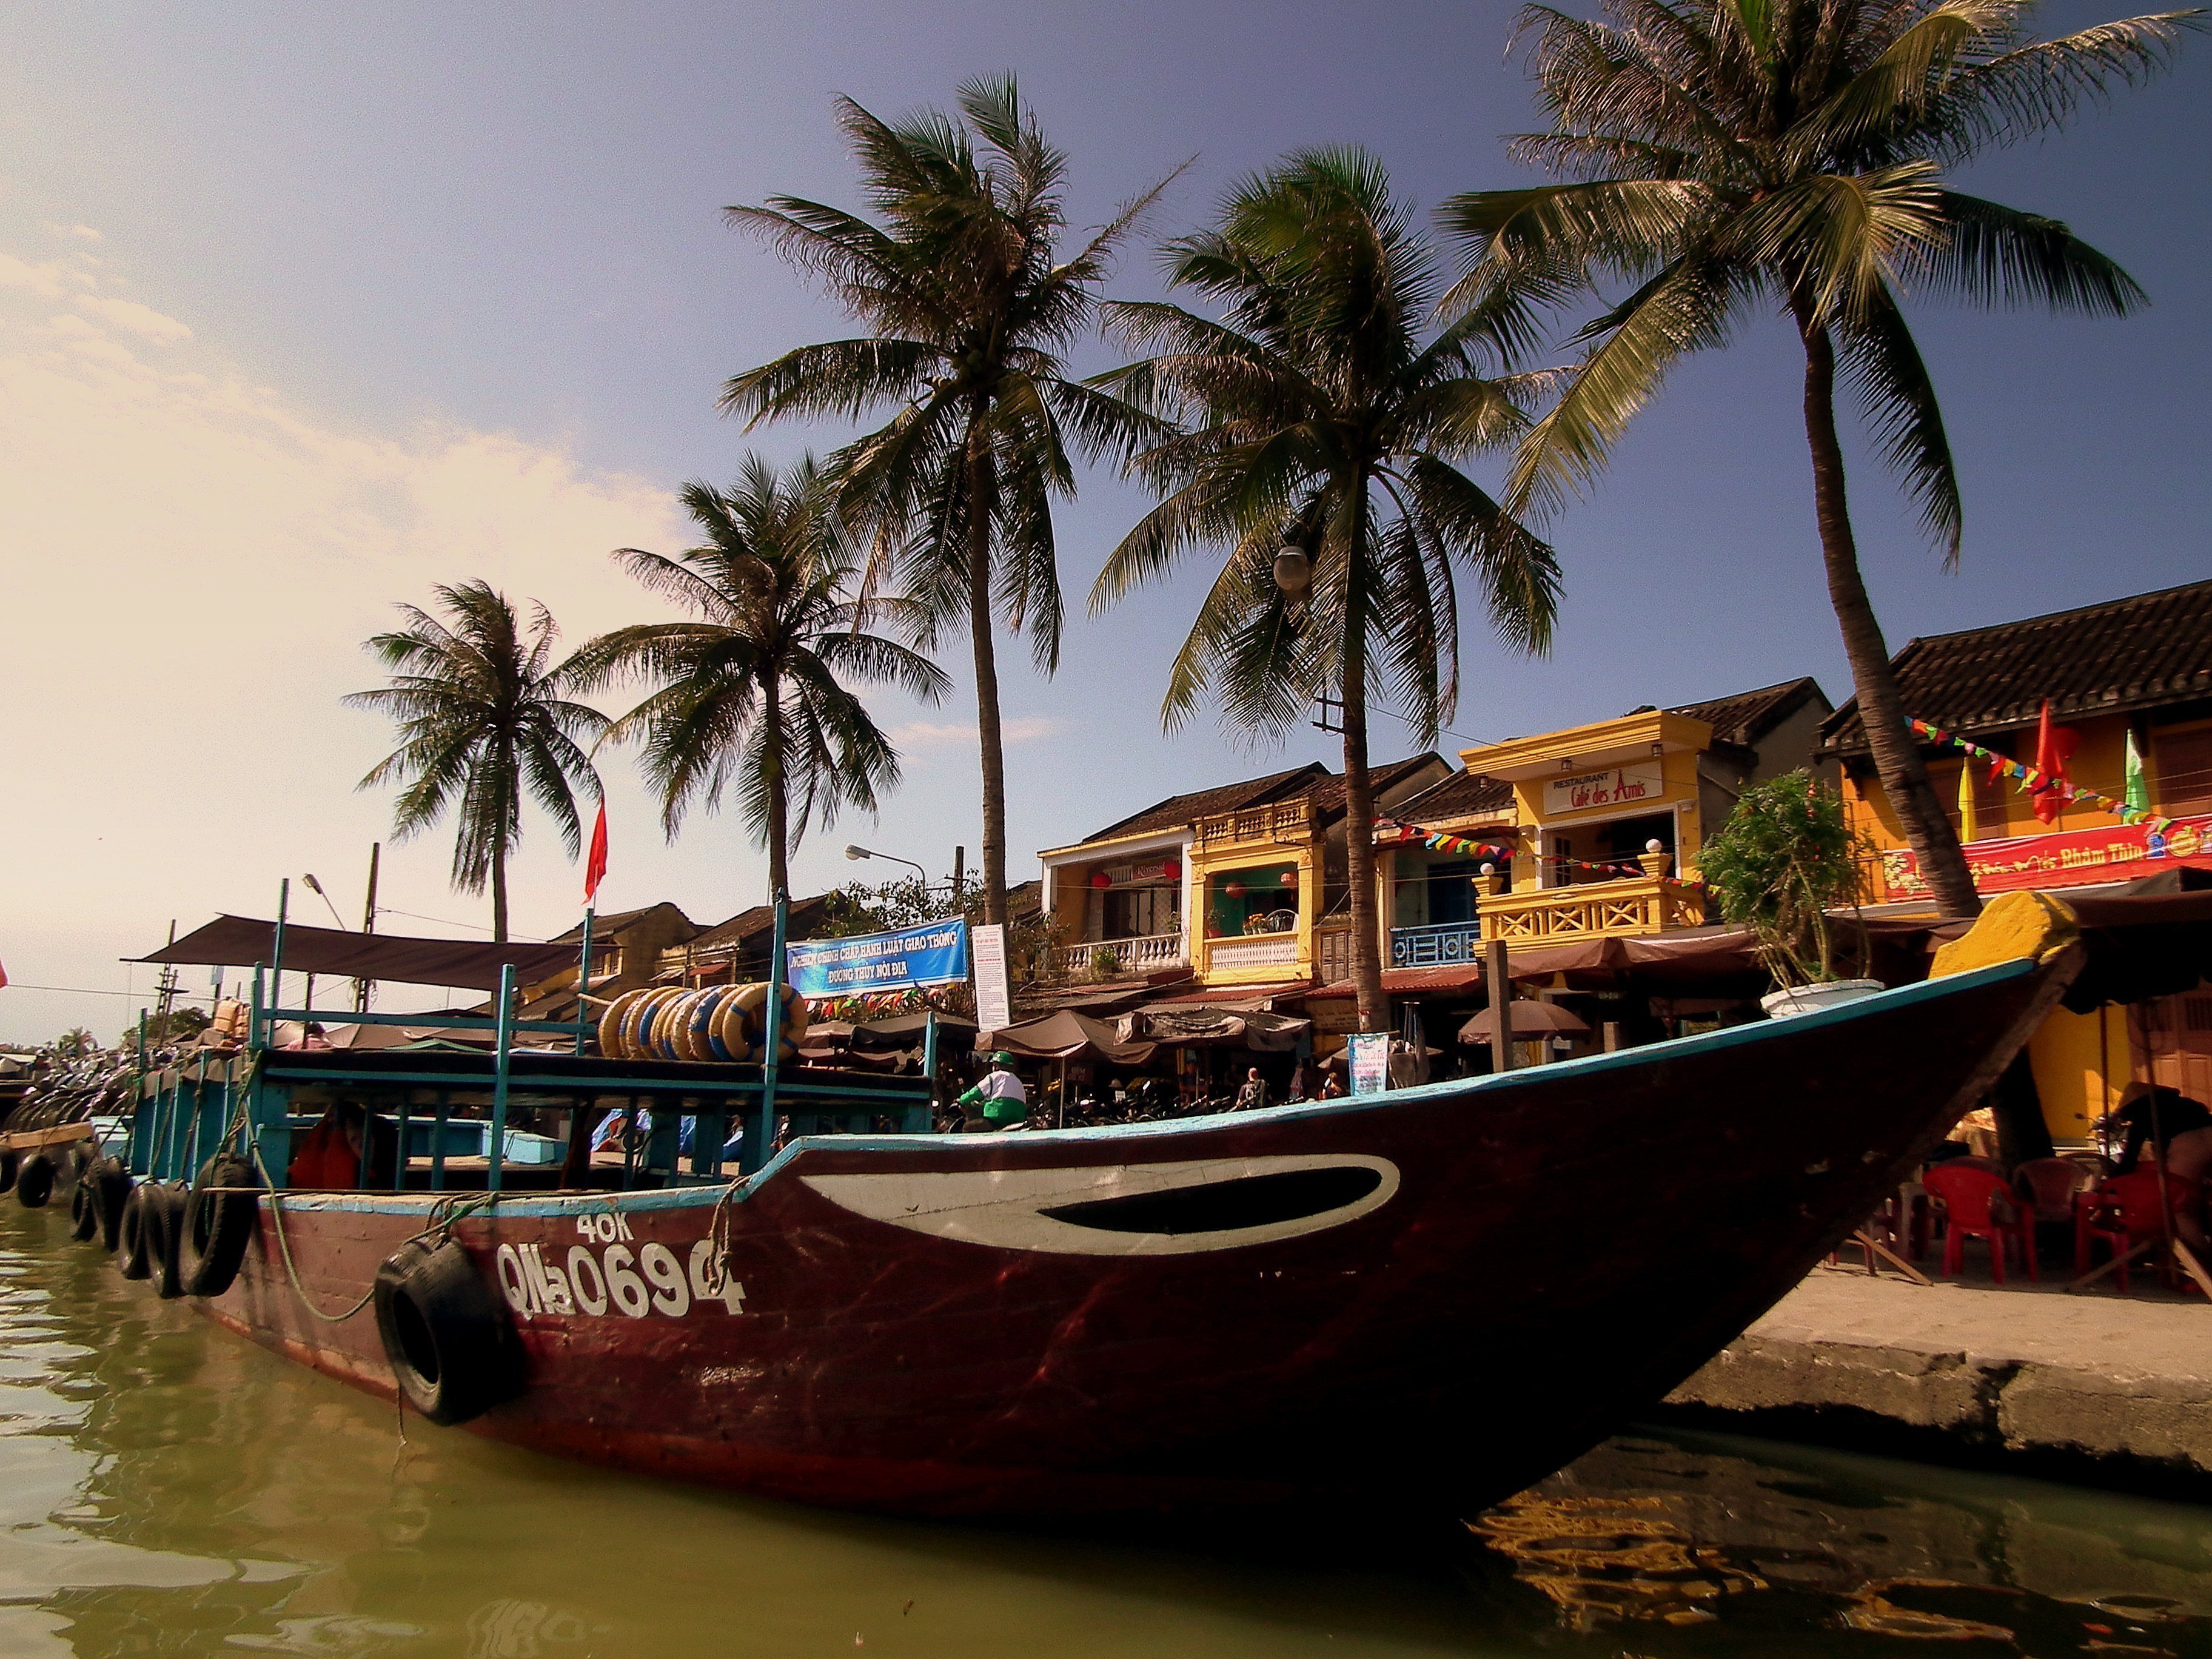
point(1293, 571)
point(856, 854)
point(316, 887)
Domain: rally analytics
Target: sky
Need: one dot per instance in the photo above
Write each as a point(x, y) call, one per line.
point(306, 309)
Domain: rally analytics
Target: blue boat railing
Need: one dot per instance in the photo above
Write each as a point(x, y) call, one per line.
point(197, 1106)
point(1436, 945)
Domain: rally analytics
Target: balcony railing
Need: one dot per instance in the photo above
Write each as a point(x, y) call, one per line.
point(1260, 951)
point(1129, 956)
point(1436, 945)
point(1607, 909)
point(1289, 822)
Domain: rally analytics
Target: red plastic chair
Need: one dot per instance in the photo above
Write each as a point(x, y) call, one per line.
point(1977, 1204)
point(2124, 1210)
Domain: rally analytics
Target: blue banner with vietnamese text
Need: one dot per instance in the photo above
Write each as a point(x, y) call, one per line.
point(931, 953)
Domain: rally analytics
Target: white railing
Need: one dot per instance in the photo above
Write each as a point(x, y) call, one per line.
point(1268, 950)
point(1125, 956)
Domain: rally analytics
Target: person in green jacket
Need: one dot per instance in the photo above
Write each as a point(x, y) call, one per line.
point(1004, 1103)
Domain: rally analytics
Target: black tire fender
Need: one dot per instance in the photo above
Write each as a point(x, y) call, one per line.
point(134, 1242)
point(81, 1159)
point(165, 1215)
point(112, 1187)
point(84, 1222)
point(446, 1333)
point(215, 1224)
point(35, 1182)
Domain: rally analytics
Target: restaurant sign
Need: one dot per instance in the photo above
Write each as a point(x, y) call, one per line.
point(2068, 858)
point(1615, 786)
point(931, 953)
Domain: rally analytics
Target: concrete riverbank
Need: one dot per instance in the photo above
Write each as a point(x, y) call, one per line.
point(2100, 1388)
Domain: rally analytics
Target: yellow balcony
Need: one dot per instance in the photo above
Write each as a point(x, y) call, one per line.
point(1287, 824)
point(1606, 909)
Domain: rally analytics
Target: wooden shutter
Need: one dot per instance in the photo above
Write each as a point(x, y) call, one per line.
point(2182, 765)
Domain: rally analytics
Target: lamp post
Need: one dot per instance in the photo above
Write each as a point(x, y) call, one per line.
point(856, 854)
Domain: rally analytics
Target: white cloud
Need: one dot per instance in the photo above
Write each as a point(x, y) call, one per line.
point(139, 319)
point(193, 560)
point(75, 232)
point(931, 734)
point(49, 280)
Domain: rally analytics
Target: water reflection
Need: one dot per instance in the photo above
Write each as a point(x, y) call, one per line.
point(166, 1489)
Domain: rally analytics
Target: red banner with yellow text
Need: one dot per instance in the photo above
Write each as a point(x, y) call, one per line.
point(2066, 858)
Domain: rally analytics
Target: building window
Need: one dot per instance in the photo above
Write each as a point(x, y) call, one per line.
point(2183, 767)
point(1142, 912)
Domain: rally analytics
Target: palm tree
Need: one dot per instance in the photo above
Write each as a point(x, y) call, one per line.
point(753, 688)
point(1323, 422)
point(970, 313)
point(1725, 156)
point(482, 718)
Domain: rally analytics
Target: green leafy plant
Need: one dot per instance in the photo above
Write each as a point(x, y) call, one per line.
point(1786, 858)
point(1105, 962)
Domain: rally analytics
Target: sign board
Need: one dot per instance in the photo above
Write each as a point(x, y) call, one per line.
point(1151, 873)
point(995, 1000)
point(931, 953)
point(2064, 858)
point(1367, 1056)
point(1613, 785)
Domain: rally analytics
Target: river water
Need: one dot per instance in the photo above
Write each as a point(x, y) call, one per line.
point(168, 1489)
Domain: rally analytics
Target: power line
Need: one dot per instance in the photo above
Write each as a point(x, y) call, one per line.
point(89, 991)
point(443, 922)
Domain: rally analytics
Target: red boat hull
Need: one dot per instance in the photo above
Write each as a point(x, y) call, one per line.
point(1450, 1291)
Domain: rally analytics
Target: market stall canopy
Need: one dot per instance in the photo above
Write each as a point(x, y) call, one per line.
point(1530, 1019)
point(1221, 1028)
point(2140, 944)
point(1065, 1035)
point(907, 1030)
point(243, 942)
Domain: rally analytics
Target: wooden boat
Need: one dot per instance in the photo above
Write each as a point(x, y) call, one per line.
point(1447, 1290)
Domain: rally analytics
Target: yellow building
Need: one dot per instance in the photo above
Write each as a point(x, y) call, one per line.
point(1243, 887)
point(1603, 822)
point(2136, 671)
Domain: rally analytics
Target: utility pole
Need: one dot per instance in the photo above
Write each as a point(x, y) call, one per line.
point(959, 875)
point(166, 989)
point(367, 925)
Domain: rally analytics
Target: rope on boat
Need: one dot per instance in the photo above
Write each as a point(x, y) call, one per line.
point(440, 1223)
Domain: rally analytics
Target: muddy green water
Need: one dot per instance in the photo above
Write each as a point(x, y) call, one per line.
point(168, 1489)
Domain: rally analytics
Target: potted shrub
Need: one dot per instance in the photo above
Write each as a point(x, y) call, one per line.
point(1105, 962)
point(1786, 858)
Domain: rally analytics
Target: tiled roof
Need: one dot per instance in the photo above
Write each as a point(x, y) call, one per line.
point(1464, 795)
point(759, 923)
point(1179, 810)
point(613, 924)
point(2147, 652)
point(1327, 794)
point(1748, 716)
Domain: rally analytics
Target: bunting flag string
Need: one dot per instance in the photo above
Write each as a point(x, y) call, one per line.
point(2028, 778)
point(1437, 842)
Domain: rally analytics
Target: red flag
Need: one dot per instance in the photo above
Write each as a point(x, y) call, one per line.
point(595, 865)
point(2053, 745)
point(3, 978)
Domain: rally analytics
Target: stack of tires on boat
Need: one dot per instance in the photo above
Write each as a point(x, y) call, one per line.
point(189, 1240)
point(720, 1023)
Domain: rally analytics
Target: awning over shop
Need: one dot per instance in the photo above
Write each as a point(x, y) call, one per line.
point(242, 942)
point(2140, 944)
point(1066, 1035)
point(1191, 1027)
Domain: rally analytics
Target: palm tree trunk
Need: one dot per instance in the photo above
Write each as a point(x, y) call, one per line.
point(1881, 705)
point(1359, 794)
point(982, 491)
point(779, 802)
point(499, 894)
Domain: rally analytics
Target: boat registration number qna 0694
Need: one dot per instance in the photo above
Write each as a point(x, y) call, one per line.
point(633, 1281)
